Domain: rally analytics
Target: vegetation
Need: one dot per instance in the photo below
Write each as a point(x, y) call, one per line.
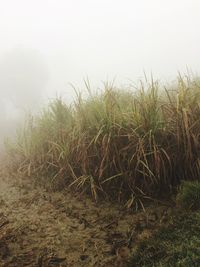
point(126, 145)
point(189, 195)
point(177, 245)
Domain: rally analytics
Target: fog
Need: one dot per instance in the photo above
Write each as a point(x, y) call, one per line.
point(47, 44)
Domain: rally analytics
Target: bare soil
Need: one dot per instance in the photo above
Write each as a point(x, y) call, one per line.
point(42, 228)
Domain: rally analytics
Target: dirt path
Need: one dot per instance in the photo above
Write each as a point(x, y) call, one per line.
point(38, 228)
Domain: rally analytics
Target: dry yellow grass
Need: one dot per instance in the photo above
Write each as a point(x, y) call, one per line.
point(120, 144)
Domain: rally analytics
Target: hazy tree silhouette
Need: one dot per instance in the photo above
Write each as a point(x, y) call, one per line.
point(23, 76)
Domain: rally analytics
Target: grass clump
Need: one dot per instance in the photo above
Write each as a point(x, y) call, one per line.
point(122, 144)
point(177, 245)
point(189, 195)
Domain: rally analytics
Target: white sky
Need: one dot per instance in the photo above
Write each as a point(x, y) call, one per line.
point(104, 39)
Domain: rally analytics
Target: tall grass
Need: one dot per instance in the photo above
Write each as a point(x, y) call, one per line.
point(122, 144)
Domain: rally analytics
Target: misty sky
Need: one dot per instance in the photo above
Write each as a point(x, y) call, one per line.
point(101, 39)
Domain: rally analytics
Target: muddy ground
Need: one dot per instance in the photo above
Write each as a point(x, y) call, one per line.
point(42, 228)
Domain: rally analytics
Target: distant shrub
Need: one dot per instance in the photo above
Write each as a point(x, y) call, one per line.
point(189, 195)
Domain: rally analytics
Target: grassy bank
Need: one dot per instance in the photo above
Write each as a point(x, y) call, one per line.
point(127, 145)
point(175, 245)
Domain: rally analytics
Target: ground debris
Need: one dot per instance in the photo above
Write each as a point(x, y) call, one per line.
point(44, 229)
